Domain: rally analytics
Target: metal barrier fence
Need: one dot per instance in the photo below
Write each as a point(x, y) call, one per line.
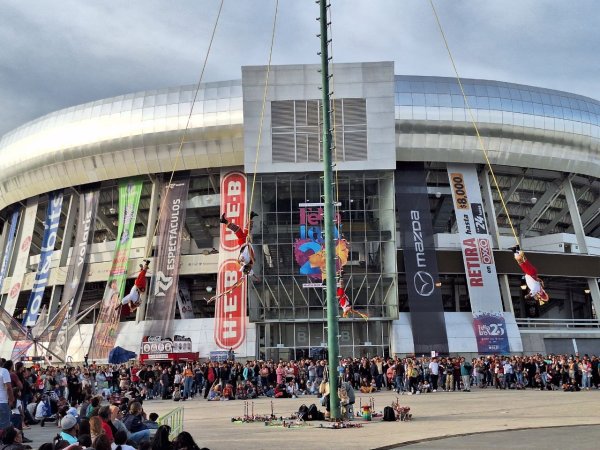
point(174, 420)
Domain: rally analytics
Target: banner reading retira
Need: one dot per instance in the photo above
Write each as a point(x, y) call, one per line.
point(482, 281)
point(230, 305)
point(105, 330)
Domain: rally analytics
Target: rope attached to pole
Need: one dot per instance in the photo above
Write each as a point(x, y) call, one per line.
point(473, 121)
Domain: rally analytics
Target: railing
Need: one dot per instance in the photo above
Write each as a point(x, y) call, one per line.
point(558, 323)
point(174, 420)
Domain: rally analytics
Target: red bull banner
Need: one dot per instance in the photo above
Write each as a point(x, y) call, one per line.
point(105, 330)
point(230, 303)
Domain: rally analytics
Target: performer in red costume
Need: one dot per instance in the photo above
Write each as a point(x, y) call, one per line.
point(139, 287)
point(345, 304)
point(533, 281)
point(246, 257)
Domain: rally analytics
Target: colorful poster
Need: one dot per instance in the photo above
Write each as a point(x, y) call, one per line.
point(20, 267)
point(230, 304)
point(8, 248)
point(482, 281)
point(162, 295)
point(309, 249)
point(55, 201)
point(424, 298)
point(77, 273)
point(105, 330)
point(184, 301)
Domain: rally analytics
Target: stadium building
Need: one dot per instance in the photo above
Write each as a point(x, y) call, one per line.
point(428, 254)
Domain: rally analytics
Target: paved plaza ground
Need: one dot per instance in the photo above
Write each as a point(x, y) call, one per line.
point(435, 416)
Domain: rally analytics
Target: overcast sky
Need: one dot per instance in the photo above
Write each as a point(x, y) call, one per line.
point(55, 54)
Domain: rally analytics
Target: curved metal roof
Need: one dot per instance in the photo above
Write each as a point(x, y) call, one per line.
point(139, 133)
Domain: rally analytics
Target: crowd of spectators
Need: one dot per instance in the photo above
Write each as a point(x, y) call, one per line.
point(87, 412)
point(101, 405)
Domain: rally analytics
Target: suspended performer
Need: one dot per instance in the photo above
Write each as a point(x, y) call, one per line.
point(533, 281)
point(139, 287)
point(246, 256)
point(345, 304)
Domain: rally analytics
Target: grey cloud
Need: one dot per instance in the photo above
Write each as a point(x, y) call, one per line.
point(58, 54)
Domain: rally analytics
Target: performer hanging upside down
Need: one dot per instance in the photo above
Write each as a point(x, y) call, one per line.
point(533, 281)
point(345, 304)
point(139, 287)
point(246, 257)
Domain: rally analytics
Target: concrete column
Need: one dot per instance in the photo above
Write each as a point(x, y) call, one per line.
point(150, 227)
point(5, 229)
point(595, 295)
point(64, 252)
point(506, 295)
point(575, 217)
point(488, 205)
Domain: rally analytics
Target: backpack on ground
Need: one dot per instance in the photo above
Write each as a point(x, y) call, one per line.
point(314, 413)
point(303, 412)
point(388, 414)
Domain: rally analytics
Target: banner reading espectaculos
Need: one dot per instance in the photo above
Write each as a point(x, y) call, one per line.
point(105, 330)
point(482, 281)
point(162, 295)
point(77, 273)
point(230, 305)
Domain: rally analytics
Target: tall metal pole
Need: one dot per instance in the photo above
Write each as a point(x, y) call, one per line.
point(332, 310)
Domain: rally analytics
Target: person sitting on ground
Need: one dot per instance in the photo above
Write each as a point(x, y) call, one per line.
point(85, 440)
point(121, 441)
point(70, 429)
point(96, 428)
point(101, 443)
point(12, 439)
point(152, 423)
point(135, 423)
point(185, 441)
point(228, 392)
point(215, 393)
point(161, 439)
point(104, 415)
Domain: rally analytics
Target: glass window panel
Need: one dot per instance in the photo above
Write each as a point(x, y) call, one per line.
point(429, 86)
point(481, 90)
point(149, 100)
point(444, 100)
point(457, 101)
point(527, 107)
point(161, 99)
point(535, 97)
point(483, 103)
point(493, 91)
point(418, 99)
point(525, 95)
point(469, 88)
point(417, 86)
point(504, 92)
point(404, 99)
point(442, 88)
point(515, 94)
point(431, 100)
point(517, 106)
point(455, 88)
point(403, 86)
point(506, 104)
point(495, 103)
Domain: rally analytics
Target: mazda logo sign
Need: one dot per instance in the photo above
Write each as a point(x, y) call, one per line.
point(424, 284)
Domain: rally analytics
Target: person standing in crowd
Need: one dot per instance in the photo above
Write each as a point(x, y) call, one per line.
point(434, 372)
point(6, 397)
point(188, 381)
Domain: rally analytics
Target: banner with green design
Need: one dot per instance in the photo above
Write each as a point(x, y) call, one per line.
point(105, 330)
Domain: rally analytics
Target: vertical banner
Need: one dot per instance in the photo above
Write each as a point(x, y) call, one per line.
point(77, 272)
point(482, 281)
point(184, 301)
point(105, 330)
point(162, 296)
point(8, 248)
point(22, 250)
point(424, 299)
point(230, 304)
point(55, 201)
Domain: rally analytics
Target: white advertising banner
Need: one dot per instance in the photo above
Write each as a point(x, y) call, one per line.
point(22, 252)
point(482, 281)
